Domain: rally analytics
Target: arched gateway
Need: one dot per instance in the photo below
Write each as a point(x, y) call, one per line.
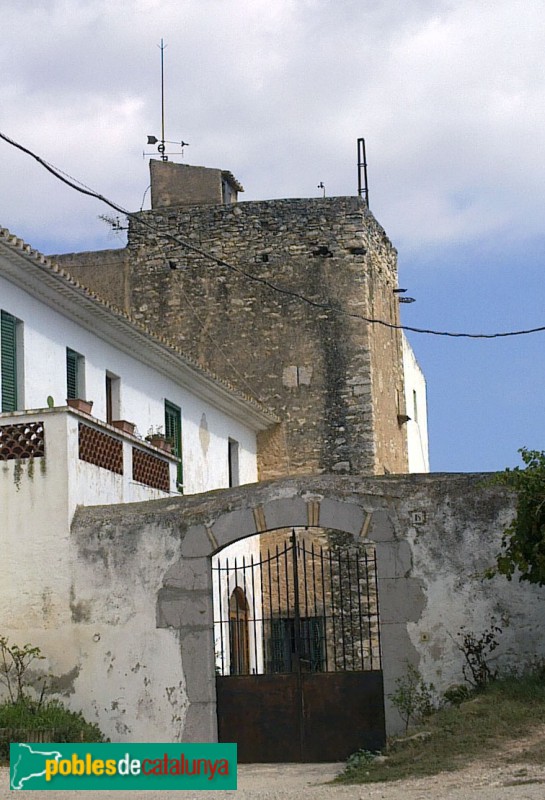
point(297, 645)
point(292, 642)
point(137, 649)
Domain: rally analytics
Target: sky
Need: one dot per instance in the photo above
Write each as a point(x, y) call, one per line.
point(449, 95)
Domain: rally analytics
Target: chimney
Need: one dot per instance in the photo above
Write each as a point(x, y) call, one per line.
point(184, 185)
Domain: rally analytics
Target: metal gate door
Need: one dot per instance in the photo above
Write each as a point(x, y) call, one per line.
point(298, 660)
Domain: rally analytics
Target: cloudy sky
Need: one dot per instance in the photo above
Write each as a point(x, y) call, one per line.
point(449, 95)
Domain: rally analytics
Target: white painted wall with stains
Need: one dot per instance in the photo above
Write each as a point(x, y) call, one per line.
point(134, 645)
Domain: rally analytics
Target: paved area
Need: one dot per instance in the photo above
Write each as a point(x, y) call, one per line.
point(480, 781)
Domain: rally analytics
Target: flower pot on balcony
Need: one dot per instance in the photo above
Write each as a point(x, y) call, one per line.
point(124, 425)
point(80, 405)
point(161, 442)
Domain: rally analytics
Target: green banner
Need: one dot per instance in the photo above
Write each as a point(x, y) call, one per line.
point(123, 766)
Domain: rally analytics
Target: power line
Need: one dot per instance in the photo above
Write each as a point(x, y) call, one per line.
point(80, 187)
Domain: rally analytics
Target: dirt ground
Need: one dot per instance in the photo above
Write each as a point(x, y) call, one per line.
point(485, 780)
point(502, 775)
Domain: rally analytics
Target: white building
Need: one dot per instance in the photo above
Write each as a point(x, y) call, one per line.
point(417, 411)
point(60, 343)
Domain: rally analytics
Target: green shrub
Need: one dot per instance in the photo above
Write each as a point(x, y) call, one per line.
point(477, 649)
point(15, 662)
point(357, 763)
point(51, 716)
point(457, 694)
point(413, 697)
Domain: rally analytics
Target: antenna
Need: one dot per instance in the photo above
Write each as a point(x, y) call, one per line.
point(161, 147)
point(153, 139)
point(113, 222)
point(363, 188)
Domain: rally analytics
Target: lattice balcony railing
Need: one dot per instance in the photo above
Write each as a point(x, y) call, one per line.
point(106, 451)
point(26, 440)
point(148, 469)
point(22, 440)
point(100, 449)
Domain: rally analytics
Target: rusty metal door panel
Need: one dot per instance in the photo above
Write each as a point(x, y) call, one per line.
point(262, 714)
point(342, 712)
point(309, 717)
point(298, 658)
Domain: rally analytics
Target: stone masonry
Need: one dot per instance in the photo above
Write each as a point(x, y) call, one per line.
point(335, 380)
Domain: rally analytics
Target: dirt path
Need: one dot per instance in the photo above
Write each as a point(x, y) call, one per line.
point(480, 781)
point(516, 771)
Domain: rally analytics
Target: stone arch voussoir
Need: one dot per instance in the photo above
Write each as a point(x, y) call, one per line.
point(358, 518)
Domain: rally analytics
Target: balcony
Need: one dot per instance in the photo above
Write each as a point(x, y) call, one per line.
point(93, 462)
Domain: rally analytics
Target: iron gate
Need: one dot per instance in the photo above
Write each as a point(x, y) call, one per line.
point(298, 661)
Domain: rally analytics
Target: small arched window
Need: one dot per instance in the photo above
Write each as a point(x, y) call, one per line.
point(239, 647)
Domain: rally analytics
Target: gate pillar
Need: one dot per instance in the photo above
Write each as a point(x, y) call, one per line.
point(185, 603)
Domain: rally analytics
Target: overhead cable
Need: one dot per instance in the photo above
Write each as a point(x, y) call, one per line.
point(80, 187)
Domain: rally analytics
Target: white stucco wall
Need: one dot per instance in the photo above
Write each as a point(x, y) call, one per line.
point(417, 410)
point(34, 534)
point(110, 631)
point(37, 503)
point(453, 525)
point(235, 562)
point(143, 391)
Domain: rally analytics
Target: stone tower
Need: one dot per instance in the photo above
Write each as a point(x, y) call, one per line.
point(334, 379)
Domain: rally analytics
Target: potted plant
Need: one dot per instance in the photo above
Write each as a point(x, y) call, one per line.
point(79, 404)
point(124, 425)
point(157, 438)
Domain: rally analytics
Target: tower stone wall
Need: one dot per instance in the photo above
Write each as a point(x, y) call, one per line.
point(334, 379)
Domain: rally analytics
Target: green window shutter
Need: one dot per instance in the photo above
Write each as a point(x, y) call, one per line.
point(72, 367)
point(282, 634)
point(8, 358)
point(313, 637)
point(173, 431)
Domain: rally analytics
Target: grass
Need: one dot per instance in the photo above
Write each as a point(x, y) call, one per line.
point(508, 710)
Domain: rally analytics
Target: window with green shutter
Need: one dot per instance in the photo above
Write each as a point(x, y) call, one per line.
point(8, 361)
point(73, 373)
point(173, 431)
point(311, 644)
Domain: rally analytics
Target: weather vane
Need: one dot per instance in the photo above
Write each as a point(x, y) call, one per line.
point(162, 141)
